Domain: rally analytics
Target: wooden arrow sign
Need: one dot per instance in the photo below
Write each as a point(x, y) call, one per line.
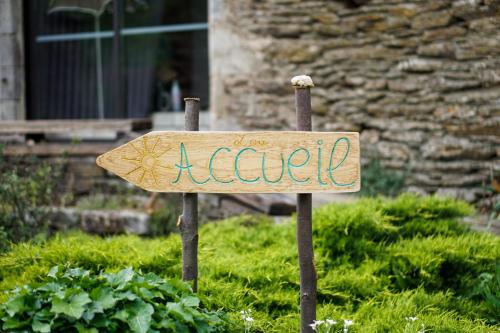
point(239, 162)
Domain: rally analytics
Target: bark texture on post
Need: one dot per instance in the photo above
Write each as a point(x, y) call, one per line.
point(189, 223)
point(304, 216)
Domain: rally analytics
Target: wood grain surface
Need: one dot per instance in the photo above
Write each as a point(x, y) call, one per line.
point(239, 162)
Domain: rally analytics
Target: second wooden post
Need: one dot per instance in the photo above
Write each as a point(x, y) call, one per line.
point(189, 222)
point(303, 86)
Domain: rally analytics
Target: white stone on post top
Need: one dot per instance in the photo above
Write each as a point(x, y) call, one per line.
point(302, 81)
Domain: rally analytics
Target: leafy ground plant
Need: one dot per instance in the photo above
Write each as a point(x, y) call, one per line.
point(75, 300)
point(378, 261)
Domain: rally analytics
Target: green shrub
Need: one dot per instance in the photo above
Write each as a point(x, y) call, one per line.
point(378, 180)
point(101, 201)
point(411, 207)
point(487, 288)
point(354, 233)
point(378, 261)
point(78, 301)
point(164, 220)
point(25, 188)
point(351, 233)
point(439, 263)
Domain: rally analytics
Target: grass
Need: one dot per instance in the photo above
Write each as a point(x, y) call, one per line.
point(378, 262)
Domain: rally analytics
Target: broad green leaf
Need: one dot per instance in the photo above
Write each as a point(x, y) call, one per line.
point(51, 287)
point(121, 315)
point(14, 323)
point(73, 307)
point(76, 273)
point(178, 311)
point(190, 301)
point(181, 328)
point(15, 305)
point(103, 296)
point(39, 326)
point(43, 315)
point(146, 294)
point(82, 329)
point(121, 278)
point(140, 314)
point(128, 295)
point(53, 272)
point(167, 323)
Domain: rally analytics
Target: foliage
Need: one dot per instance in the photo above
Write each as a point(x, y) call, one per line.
point(378, 180)
point(164, 214)
point(487, 287)
point(100, 201)
point(356, 232)
point(378, 261)
point(75, 300)
point(24, 191)
point(163, 221)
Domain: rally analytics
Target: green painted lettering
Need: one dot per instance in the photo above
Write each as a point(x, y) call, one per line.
point(186, 166)
point(214, 155)
point(320, 181)
point(236, 166)
point(296, 166)
point(330, 169)
point(264, 172)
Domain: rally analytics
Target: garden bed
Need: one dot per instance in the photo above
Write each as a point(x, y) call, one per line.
point(381, 264)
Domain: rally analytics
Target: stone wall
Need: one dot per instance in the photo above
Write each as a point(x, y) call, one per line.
point(419, 79)
point(11, 61)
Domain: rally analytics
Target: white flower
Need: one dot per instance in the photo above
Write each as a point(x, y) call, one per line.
point(411, 319)
point(331, 322)
point(347, 322)
point(250, 319)
point(316, 324)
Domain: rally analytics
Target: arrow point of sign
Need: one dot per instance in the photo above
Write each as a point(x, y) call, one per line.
point(138, 161)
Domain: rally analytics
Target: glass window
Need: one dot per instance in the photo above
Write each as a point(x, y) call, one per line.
point(69, 47)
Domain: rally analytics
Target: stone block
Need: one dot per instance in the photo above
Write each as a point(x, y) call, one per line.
point(432, 19)
point(446, 85)
point(476, 96)
point(7, 18)
point(441, 49)
point(443, 34)
point(101, 222)
point(8, 51)
point(319, 106)
point(10, 84)
point(289, 31)
point(450, 147)
point(406, 85)
point(298, 53)
point(8, 109)
point(419, 65)
point(470, 195)
point(393, 151)
point(369, 137)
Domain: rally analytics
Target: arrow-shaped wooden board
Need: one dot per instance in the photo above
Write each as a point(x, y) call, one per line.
point(239, 162)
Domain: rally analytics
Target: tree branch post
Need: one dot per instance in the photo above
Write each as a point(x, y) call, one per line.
point(302, 86)
point(189, 222)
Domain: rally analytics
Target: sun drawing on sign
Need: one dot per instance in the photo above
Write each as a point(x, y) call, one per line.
point(147, 161)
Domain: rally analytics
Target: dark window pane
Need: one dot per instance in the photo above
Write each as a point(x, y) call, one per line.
point(163, 58)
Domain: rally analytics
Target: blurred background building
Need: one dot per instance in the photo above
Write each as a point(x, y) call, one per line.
point(420, 80)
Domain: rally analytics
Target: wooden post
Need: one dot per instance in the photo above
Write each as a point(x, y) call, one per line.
point(302, 86)
point(189, 223)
